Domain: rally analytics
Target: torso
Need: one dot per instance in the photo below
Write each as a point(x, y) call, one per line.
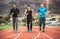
point(29, 13)
point(15, 11)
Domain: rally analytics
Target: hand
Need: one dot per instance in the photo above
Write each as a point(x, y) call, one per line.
point(27, 13)
point(12, 13)
point(32, 14)
point(40, 14)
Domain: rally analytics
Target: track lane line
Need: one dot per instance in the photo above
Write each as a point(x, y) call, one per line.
point(12, 35)
point(47, 36)
point(19, 34)
point(51, 29)
point(8, 31)
point(36, 35)
point(42, 34)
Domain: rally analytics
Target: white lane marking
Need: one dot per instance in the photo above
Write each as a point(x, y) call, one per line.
point(20, 34)
point(43, 34)
point(47, 36)
point(50, 30)
point(12, 35)
point(7, 31)
point(36, 35)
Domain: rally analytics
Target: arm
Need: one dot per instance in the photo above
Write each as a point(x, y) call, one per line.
point(11, 12)
point(32, 12)
point(18, 12)
point(25, 13)
point(39, 12)
point(46, 11)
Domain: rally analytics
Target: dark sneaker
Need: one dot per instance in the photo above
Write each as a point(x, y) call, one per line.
point(40, 28)
point(43, 31)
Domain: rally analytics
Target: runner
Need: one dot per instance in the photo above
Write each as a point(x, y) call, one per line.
point(42, 13)
point(15, 13)
point(29, 13)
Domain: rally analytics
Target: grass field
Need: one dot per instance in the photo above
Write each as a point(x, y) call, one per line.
point(3, 27)
point(9, 26)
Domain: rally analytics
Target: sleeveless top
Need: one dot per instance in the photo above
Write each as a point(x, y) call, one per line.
point(29, 13)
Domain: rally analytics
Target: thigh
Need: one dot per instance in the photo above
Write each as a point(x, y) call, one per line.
point(44, 19)
point(16, 19)
point(27, 20)
point(31, 19)
point(40, 20)
point(13, 19)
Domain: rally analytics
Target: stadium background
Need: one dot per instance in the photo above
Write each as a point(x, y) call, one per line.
point(53, 18)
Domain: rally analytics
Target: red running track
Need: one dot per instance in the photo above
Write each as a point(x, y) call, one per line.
point(50, 33)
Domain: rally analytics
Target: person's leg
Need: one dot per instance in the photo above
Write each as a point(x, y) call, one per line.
point(40, 23)
point(31, 24)
point(16, 23)
point(28, 23)
point(44, 19)
point(13, 23)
